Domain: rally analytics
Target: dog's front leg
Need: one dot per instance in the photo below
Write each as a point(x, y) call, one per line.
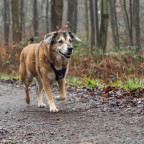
point(51, 102)
point(61, 84)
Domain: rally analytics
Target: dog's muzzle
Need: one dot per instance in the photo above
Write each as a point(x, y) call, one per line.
point(69, 53)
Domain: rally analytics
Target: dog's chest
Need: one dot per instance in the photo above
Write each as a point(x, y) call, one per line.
point(51, 76)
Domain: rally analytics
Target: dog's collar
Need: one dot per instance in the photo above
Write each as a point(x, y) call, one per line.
point(60, 74)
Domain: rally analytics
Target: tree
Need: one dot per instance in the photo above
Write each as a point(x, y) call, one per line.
point(15, 21)
point(6, 20)
point(47, 21)
point(86, 20)
point(129, 21)
point(104, 25)
point(96, 22)
point(35, 18)
point(56, 14)
point(137, 24)
point(22, 17)
point(114, 22)
point(92, 24)
point(72, 15)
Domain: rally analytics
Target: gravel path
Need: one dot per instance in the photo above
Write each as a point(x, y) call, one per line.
point(83, 119)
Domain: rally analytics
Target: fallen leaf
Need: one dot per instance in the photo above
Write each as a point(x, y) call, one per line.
point(106, 99)
point(104, 95)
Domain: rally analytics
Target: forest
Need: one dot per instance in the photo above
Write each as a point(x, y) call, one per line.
point(111, 32)
point(105, 82)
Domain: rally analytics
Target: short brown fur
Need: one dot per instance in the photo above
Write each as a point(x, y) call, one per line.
point(35, 61)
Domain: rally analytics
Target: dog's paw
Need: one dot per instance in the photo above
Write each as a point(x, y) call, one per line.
point(60, 98)
point(55, 110)
point(27, 100)
point(42, 105)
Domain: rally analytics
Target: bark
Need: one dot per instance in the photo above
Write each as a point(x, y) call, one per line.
point(92, 24)
point(35, 18)
point(137, 24)
point(56, 14)
point(72, 15)
point(114, 22)
point(6, 20)
point(47, 19)
point(96, 22)
point(104, 25)
point(15, 20)
point(86, 20)
point(22, 18)
point(129, 22)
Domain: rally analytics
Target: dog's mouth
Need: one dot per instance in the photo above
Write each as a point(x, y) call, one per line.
point(67, 55)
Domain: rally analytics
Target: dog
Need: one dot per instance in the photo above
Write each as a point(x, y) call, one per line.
point(48, 62)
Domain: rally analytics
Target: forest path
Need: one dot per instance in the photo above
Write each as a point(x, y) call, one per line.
point(82, 119)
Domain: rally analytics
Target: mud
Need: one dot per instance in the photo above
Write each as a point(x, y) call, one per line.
point(83, 118)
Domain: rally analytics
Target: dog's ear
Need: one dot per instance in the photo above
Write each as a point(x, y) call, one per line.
point(48, 38)
point(74, 36)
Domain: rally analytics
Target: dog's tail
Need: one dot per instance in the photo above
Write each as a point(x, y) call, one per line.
point(31, 41)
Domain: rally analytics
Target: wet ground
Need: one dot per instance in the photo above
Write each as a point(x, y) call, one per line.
point(84, 118)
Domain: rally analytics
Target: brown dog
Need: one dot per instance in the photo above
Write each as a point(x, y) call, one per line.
point(48, 61)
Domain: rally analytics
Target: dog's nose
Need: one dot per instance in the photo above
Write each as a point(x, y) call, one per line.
point(70, 48)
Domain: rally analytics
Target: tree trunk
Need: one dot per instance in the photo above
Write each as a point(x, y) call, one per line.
point(114, 22)
point(137, 24)
point(15, 20)
point(96, 22)
point(6, 20)
point(47, 18)
point(56, 14)
point(22, 18)
point(92, 24)
point(86, 20)
point(35, 18)
point(129, 22)
point(104, 25)
point(72, 15)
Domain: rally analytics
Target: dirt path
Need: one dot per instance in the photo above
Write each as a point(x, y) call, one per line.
point(82, 119)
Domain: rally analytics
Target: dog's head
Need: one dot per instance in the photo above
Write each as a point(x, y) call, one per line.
point(61, 42)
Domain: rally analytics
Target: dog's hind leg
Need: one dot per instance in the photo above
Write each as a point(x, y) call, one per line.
point(27, 94)
point(40, 87)
point(27, 79)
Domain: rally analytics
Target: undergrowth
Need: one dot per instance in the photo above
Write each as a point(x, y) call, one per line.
point(123, 67)
point(129, 84)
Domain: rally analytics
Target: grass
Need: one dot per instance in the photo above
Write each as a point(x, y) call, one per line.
point(7, 77)
point(129, 84)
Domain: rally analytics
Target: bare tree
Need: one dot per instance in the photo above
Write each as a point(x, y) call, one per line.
point(92, 24)
point(104, 25)
point(96, 22)
point(114, 25)
point(22, 18)
point(137, 24)
point(56, 14)
point(129, 21)
point(86, 19)
point(6, 20)
point(72, 15)
point(15, 20)
point(47, 18)
point(35, 18)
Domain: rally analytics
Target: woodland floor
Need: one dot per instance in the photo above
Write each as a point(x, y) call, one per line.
point(84, 118)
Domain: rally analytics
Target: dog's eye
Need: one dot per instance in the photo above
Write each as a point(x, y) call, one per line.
point(61, 41)
point(70, 41)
